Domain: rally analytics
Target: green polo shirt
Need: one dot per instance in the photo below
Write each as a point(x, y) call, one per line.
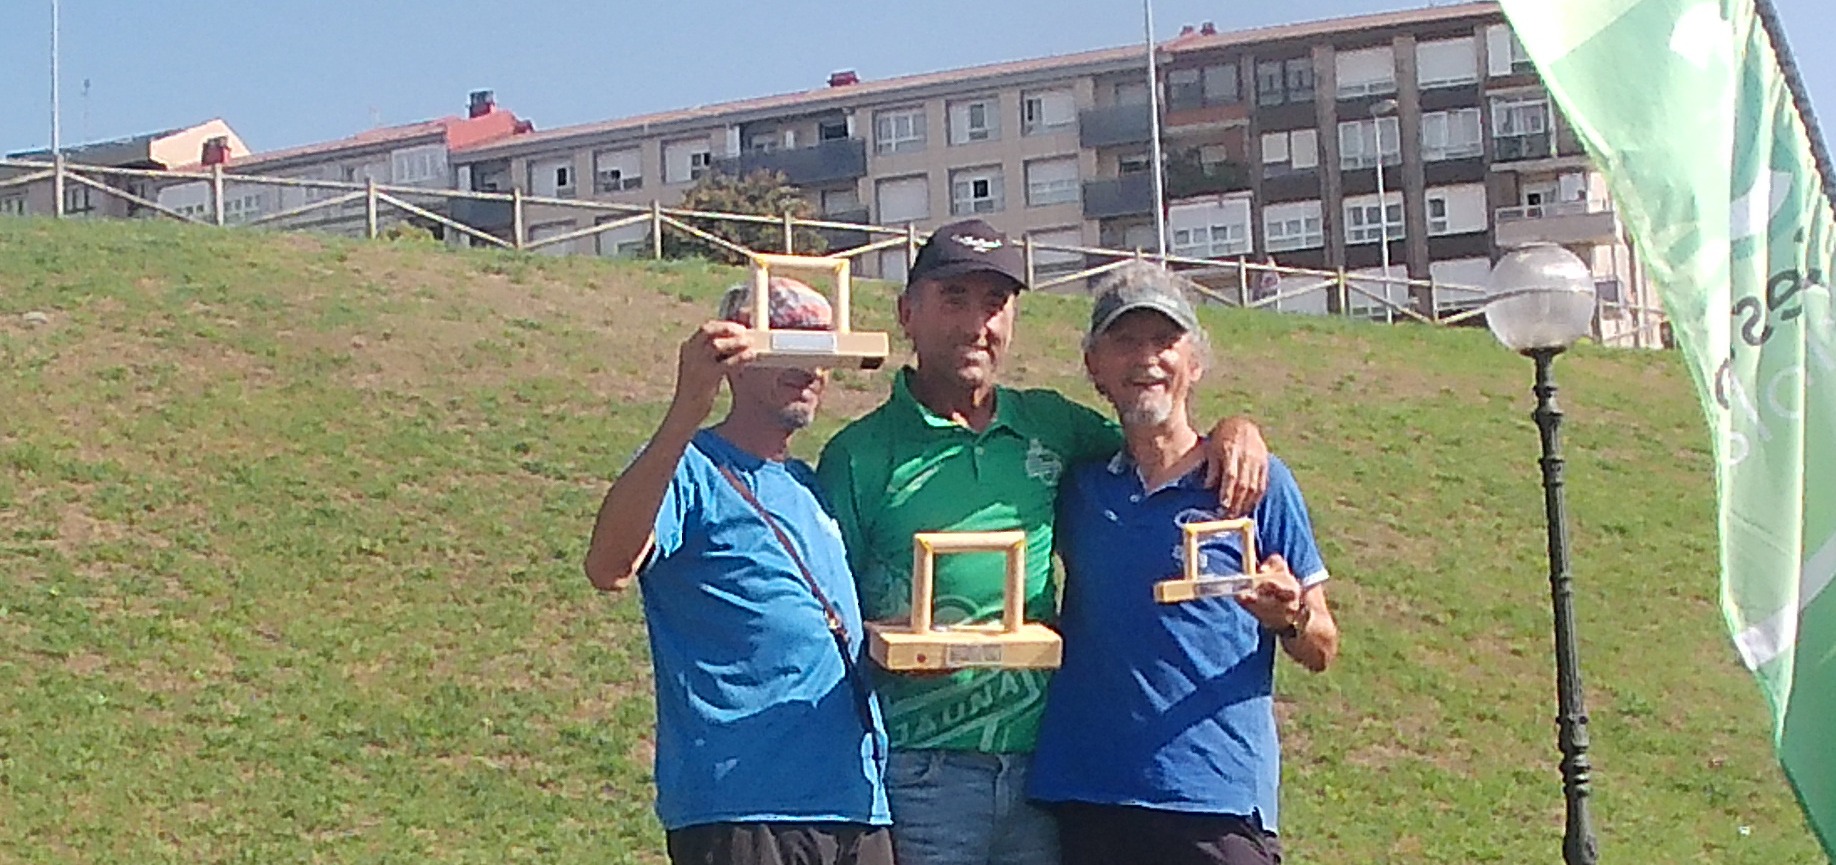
point(902, 469)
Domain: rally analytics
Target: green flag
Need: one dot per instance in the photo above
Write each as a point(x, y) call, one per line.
point(1684, 105)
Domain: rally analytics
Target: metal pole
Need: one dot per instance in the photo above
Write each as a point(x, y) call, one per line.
point(57, 123)
point(1383, 207)
point(1578, 844)
point(1160, 190)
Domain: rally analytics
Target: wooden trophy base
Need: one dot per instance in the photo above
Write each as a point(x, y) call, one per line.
point(1180, 591)
point(1033, 647)
point(818, 348)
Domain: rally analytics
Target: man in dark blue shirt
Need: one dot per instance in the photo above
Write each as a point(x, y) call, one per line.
point(1158, 742)
point(768, 740)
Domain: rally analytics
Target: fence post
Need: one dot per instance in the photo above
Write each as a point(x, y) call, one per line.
point(369, 208)
point(1026, 252)
point(656, 229)
point(516, 218)
point(1344, 294)
point(789, 229)
point(911, 244)
point(216, 193)
point(1434, 300)
point(57, 184)
point(1243, 284)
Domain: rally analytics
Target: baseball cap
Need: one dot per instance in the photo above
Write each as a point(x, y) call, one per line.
point(1139, 285)
point(968, 246)
point(794, 306)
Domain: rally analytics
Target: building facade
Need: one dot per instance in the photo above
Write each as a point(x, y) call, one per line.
point(160, 151)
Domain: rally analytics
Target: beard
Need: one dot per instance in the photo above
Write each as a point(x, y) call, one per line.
point(797, 416)
point(1148, 409)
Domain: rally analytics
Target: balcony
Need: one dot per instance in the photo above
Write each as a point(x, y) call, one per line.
point(1514, 148)
point(1567, 223)
point(1186, 179)
point(1114, 126)
point(828, 162)
point(1128, 195)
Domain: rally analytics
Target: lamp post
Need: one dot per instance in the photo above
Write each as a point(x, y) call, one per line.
point(1380, 110)
point(1542, 302)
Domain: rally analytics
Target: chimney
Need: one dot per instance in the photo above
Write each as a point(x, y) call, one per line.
point(843, 78)
point(1208, 29)
point(482, 102)
point(1186, 30)
point(216, 151)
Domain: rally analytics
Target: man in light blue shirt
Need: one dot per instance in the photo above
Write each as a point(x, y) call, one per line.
point(769, 741)
point(1158, 742)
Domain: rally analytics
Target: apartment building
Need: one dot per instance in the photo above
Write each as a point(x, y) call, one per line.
point(1272, 145)
point(406, 155)
point(1276, 142)
point(999, 142)
point(164, 150)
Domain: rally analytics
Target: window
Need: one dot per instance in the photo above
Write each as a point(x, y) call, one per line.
point(1130, 92)
point(552, 177)
point(13, 205)
point(1457, 209)
point(1447, 63)
point(1521, 127)
point(552, 229)
point(1368, 72)
point(1210, 229)
point(763, 142)
point(1294, 225)
point(1284, 81)
point(1290, 152)
point(618, 170)
point(77, 198)
point(1056, 262)
point(976, 190)
point(419, 164)
point(1359, 140)
point(1505, 55)
point(839, 201)
point(1451, 135)
point(892, 264)
point(1047, 110)
point(1134, 163)
point(899, 130)
point(1051, 181)
point(903, 199)
point(684, 160)
point(1364, 219)
point(699, 164)
point(631, 241)
point(975, 120)
point(832, 130)
point(1195, 87)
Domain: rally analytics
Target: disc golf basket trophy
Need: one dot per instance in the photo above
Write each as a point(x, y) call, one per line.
point(1013, 643)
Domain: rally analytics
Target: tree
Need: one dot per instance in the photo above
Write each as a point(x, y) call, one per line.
point(761, 193)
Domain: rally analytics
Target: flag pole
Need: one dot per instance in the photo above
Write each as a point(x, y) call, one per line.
point(1800, 96)
point(1160, 191)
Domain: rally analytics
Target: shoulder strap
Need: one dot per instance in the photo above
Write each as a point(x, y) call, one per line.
point(833, 617)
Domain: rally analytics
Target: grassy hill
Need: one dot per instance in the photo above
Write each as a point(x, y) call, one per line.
point(290, 532)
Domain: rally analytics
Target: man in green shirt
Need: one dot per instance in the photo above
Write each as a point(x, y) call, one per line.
point(950, 450)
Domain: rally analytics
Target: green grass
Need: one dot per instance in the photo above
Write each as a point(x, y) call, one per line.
point(290, 532)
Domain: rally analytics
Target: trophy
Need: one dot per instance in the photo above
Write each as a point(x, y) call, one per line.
point(838, 348)
point(1012, 644)
point(1195, 585)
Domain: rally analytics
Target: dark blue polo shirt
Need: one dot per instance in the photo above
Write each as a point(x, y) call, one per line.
point(1166, 706)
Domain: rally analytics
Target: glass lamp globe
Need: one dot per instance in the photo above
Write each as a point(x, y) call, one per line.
point(1542, 298)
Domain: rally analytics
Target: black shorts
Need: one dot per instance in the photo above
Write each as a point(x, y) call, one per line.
point(781, 844)
point(1125, 835)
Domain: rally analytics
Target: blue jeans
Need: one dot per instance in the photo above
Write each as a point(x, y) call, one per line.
point(966, 808)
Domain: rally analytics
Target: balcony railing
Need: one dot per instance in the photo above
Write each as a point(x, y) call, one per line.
point(1548, 211)
point(1510, 148)
point(1128, 195)
point(1114, 125)
point(828, 162)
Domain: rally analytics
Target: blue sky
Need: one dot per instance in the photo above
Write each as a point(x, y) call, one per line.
point(287, 72)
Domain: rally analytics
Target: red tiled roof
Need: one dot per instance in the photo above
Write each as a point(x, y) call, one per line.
point(458, 132)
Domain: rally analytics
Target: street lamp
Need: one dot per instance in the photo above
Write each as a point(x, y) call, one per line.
point(1380, 110)
point(1542, 302)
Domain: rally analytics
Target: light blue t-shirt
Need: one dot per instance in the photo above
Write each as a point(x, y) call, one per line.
point(1165, 706)
point(756, 720)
